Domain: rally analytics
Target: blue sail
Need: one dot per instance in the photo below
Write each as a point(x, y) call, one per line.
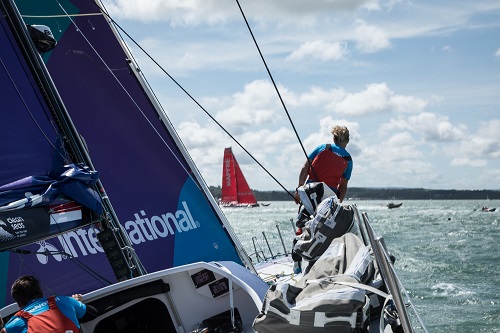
point(38, 185)
point(161, 200)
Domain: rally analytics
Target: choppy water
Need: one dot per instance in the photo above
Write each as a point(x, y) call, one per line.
point(448, 255)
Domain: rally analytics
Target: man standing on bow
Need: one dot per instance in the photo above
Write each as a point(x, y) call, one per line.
point(330, 164)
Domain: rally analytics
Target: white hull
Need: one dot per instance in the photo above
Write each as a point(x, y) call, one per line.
point(168, 301)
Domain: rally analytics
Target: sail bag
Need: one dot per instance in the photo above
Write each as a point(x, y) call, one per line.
point(311, 194)
point(332, 220)
point(329, 298)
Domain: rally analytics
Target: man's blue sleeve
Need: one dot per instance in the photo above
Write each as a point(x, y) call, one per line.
point(316, 151)
point(348, 170)
point(78, 306)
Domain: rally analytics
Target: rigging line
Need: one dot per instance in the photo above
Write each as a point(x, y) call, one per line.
point(75, 261)
point(138, 71)
point(31, 114)
point(275, 86)
point(28, 267)
point(124, 89)
point(193, 99)
point(85, 268)
point(61, 15)
point(135, 62)
point(64, 243)
point(33, 273)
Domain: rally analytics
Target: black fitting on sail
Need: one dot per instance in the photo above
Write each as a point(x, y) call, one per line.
point(42, 37)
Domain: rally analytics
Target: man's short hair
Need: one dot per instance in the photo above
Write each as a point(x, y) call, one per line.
point(25, 289)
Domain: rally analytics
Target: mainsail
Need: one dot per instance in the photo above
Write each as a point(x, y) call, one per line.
point(158, 194)
point(235, 189)
point(37, 177)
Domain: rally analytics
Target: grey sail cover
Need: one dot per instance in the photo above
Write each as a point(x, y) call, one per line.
point(321, 301)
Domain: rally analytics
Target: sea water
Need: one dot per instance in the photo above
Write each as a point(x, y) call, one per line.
point(447, 254)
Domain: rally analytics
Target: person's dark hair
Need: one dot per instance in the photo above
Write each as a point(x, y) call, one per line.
point(25, 289)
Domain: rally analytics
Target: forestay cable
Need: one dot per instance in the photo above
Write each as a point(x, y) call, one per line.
point(276, 87)
point(191, 97)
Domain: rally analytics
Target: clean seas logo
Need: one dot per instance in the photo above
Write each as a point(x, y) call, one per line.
point(4, 234)
point(83, 242)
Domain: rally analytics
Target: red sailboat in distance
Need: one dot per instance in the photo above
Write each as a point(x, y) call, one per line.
point(235, 189)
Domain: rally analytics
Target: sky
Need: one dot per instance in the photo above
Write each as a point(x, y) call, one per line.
point(416, 82)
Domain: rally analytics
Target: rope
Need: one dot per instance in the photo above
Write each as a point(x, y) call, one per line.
point(276, 88)
point(193, 99)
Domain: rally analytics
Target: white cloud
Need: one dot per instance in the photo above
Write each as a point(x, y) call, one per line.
point(212, 11)
point(256, 105)
point(377, 98)
point(370, 38)
point(431, 127)
point(436, 128)
point(323, 134)
point(319, 50)
point(178, 12)
point(431, 135)
point(317, 96)
point(447, 48)
point(206, 144)
point(265, 141)
point(195, 136)
point(480, 147)
point(467, 161)
point(398, 158)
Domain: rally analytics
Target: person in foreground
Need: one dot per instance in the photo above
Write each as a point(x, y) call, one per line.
point(39, 314)
point(330, 164)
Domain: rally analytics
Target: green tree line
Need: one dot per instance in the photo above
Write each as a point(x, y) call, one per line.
point(361, 193)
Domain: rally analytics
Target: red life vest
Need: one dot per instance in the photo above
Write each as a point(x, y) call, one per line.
point(328, 168)
point(50, 321)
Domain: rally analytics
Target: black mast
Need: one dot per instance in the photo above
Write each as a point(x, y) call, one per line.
point(113, 238)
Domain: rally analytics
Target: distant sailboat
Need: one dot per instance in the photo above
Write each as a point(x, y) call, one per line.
point(235, 189)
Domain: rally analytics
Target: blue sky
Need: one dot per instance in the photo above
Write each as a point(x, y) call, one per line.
point(416, 82)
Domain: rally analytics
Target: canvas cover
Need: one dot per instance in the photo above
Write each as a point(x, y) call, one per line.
point(39, 207)
point(321, 301)
point(332, 220)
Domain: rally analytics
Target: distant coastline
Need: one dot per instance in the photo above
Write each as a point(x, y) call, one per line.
point(396, 194)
